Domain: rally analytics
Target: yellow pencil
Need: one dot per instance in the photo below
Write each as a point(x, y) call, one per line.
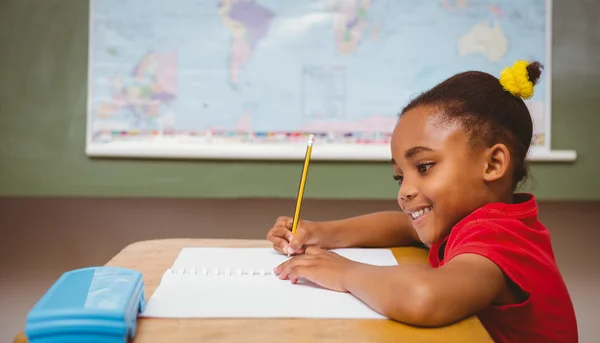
point(302, 184)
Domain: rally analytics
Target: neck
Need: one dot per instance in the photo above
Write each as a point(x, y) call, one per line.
point(500, 193)
point(506, 198)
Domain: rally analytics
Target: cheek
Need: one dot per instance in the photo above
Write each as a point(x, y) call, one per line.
point(452, 193)
point(450, 181)
point(440, 187)
point(447, 191)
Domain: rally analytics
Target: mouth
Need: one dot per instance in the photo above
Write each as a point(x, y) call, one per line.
point(418, 214)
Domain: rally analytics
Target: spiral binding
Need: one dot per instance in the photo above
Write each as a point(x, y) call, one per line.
point(220, 272)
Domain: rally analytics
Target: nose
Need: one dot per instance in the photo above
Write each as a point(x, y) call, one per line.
point(406, 192)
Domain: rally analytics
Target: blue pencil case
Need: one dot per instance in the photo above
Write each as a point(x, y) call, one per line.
point(95, 304)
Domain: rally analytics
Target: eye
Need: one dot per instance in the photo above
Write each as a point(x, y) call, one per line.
point(424, 167)
point(399, 178)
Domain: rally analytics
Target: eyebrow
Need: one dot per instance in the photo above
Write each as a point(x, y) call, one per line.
point(415, 150)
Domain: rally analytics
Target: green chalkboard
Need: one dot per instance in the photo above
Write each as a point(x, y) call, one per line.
point(43, 78)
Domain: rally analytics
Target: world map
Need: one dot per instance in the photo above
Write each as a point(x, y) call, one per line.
point(277, 70)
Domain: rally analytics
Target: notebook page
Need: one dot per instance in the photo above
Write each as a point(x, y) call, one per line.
point(251, 297)
point(185, 295)
point(265, 258)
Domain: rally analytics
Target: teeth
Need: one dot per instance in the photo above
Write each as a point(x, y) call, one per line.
point(421, 212)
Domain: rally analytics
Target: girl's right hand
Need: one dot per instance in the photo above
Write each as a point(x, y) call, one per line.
point(307, 233)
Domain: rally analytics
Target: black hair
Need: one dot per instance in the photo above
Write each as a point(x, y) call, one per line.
point(489, 113)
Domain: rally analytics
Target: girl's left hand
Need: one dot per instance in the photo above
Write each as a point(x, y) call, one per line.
point(322, 267)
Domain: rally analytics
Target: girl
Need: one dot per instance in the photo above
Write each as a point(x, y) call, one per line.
point(458, 154)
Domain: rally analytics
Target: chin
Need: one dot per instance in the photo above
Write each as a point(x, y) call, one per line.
point(429, 240)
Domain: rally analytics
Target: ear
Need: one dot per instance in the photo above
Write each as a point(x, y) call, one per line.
point(497, 162)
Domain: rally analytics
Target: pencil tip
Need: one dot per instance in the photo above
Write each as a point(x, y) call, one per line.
point(311, 139)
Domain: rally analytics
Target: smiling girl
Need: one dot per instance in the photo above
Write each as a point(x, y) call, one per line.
point(458, 153)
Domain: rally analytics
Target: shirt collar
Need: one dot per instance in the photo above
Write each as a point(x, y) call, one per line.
point(524, 206)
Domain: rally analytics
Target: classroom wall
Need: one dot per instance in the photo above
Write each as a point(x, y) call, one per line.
point(43, 74)
point(60, 210)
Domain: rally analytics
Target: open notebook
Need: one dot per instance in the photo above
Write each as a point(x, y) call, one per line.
point(240, 283)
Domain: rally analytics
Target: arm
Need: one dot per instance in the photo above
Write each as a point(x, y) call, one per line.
point(425, 296)
point(379, 229)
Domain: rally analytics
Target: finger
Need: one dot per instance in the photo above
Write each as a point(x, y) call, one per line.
point(286, 222)
point(313, 250)
point(279, 249)
point(280, 236)
point(291, 252)
point(280, 244)
point(281, 231)
point(284, 271)
point(277, 270)
point(285, 268)
point(298, 240)
point(294, 248)
point(299, 272)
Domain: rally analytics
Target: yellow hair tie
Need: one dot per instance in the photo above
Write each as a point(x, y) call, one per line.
point(515, 80)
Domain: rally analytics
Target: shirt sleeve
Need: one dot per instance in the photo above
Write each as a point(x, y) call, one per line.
point(505, 243)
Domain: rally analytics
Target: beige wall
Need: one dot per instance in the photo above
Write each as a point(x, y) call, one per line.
point(42, 238)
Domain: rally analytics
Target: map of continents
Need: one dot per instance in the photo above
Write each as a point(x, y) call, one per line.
point(248, 23)
point(146, 93)
point(336, 67)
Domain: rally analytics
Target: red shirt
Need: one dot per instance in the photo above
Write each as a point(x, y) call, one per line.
point(511, 236)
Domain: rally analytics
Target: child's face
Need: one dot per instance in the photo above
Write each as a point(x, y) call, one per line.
point(441, 175)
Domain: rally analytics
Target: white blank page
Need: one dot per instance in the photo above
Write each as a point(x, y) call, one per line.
point(195, 295)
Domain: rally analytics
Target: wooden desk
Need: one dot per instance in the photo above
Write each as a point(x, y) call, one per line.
point(153, 257)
